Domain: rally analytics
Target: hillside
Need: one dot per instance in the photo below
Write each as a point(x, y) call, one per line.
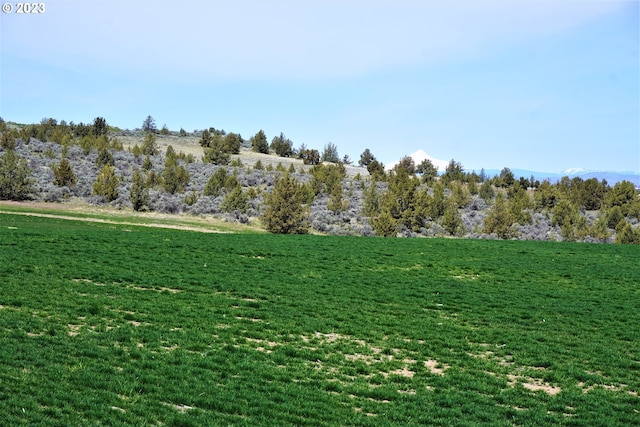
point(338, 199)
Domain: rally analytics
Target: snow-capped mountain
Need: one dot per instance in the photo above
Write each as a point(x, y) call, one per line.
point(576, 171)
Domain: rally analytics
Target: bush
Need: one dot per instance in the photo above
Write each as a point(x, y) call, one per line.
point(284, 209)
point(64, 175)
point(106, 184)
point(15, 177)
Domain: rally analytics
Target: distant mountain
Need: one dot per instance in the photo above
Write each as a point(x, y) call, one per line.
point(609, 176)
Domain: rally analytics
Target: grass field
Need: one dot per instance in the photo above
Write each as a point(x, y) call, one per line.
point(116, 324)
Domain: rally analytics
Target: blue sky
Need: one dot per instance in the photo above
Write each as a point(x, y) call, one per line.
point(543, 85)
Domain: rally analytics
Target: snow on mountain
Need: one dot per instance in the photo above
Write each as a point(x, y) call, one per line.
point(575, 171)
point(420, 156)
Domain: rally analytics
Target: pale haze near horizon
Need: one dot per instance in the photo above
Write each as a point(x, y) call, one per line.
point(539, 85)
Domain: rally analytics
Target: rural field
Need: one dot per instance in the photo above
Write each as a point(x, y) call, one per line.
point(115, 323)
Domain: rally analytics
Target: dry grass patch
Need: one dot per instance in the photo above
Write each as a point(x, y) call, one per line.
point(435, 367)
point(533, 384)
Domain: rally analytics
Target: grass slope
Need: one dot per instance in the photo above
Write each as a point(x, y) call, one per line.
point(122, 325)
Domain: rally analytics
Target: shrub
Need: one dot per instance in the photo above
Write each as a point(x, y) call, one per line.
point(15, 177)
point(236, 200)
point(106, 184)
point(64, 175)
point(139, 193)
point(285, 212)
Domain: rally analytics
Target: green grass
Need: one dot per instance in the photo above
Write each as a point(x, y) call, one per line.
point(128, 217)
point(122, 325)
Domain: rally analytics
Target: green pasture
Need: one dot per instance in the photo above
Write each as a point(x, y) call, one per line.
point(112, 324)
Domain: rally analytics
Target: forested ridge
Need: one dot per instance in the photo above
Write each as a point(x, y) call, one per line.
point(299, 189)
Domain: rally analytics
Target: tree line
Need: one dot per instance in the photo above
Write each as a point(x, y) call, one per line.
point(409, 200)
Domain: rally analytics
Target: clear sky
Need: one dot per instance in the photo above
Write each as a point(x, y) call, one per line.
point(543, 85)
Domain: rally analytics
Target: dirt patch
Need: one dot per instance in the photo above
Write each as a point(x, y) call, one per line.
point(533, 384)
point(435, 367)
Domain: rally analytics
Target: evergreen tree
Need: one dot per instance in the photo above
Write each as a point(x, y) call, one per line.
point(499, 220)
point(451, 219)
point(376, 171)
point(408, 164)
point(282, 146)
point(310, 156)
point(285, 212)
point(63, 175)
point(15, 177)
point(330, 153)
point(371, 204)
point(486, 191)
point(149, 125)
point(566, 214)
point(149, 146)
point(437, 202)
point(336, 202)
point(259, 142)
point(139, 193)
point(232, 143)
point(453, 172)
point(100, 127)
point(174, 177)
point(428, 171)
point(8, 140)
point(205, 139)
point(385, 225)
point(104, 158)
point(628, 235)
point(106, 183)
point(217, 153)
point(216, 183)
point(366, 158)
point(236, 200)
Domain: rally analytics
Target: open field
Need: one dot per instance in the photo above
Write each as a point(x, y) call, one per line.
point(118, 324)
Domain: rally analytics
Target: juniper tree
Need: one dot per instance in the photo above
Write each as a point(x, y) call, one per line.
point(236, 200)
point(451, 219)
point(104, 158)
point(385, 225)
point(149, 146)
point(259, 142)
point(106, 183)
point(149, 125)
point(63, 175)
point(174, 177)
point(371, 203)
point(336, 202)
point(499, 220)
point(486, 191)
point(366, 158)
point(282, 146)
point(428, 171)
point(285, 212)
point(100, 126)
point(139, 193)
point(15, 177)
point(219, 181)
point(330, 153)
point(8, 140)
